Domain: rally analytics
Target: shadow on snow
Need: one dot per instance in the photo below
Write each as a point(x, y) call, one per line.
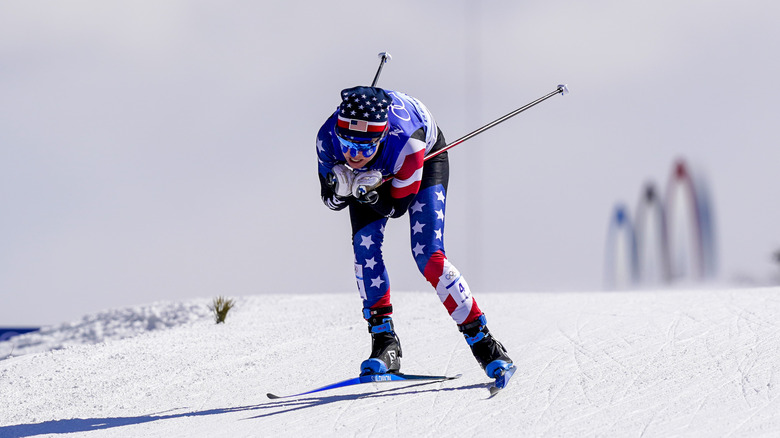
point(275, 407)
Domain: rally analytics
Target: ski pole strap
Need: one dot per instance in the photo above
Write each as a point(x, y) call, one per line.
point(368, 313)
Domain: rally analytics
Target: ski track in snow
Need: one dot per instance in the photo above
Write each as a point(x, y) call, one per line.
point(640, 363)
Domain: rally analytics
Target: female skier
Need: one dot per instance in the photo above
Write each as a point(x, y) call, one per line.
point(377, 134)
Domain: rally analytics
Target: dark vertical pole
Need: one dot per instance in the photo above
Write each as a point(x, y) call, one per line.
point(384, 57)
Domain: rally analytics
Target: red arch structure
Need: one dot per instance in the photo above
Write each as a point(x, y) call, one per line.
point(658, 253)
point(702, 238)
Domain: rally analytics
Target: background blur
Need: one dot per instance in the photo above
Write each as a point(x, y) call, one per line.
point(159, 150)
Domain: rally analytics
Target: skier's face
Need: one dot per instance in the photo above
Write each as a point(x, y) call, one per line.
point(358, 161)
point(358, 153)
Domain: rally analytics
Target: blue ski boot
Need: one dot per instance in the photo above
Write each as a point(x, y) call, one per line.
point(490, 354)
point(385, 347)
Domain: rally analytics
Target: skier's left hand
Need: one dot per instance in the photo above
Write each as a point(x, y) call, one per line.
point(364, 186)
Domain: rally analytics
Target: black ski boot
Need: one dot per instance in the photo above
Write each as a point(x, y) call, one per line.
point(490, 354)
point(385, 347)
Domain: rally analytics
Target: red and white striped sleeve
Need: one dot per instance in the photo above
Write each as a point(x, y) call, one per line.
point(408, 169)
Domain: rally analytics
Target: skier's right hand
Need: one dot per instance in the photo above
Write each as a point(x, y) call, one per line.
point(340, 180)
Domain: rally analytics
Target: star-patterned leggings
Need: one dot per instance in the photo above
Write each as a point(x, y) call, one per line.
point(426, 217)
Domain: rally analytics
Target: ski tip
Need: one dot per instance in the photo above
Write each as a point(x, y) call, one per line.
point(272, 396)
point(456, 376)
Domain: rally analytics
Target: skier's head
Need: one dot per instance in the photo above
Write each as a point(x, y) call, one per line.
point(362, 120)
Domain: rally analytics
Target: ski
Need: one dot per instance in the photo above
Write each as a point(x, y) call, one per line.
point(388, 377)
point(502, 381)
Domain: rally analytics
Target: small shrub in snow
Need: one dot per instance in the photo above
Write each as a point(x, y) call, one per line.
point(221, 306)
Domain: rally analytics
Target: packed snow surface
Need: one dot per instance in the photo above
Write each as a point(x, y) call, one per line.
point(640, 363)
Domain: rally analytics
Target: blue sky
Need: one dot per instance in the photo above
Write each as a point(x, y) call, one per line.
point(165, 150)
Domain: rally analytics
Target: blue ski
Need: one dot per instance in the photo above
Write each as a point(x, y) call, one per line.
point(389, 377)
point(502, 380)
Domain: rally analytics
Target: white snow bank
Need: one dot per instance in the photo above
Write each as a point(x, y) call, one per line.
point(106, 325)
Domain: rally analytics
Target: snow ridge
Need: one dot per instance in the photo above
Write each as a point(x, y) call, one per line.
point(113, 324)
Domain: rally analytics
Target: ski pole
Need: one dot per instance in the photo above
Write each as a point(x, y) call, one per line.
point(384, 58)
point(562, 89)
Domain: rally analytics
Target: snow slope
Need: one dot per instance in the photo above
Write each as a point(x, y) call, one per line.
point(671, 363)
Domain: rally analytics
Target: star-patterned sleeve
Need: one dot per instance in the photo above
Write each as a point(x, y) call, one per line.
point(326, 160)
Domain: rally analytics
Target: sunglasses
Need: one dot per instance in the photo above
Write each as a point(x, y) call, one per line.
point(353, 147)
